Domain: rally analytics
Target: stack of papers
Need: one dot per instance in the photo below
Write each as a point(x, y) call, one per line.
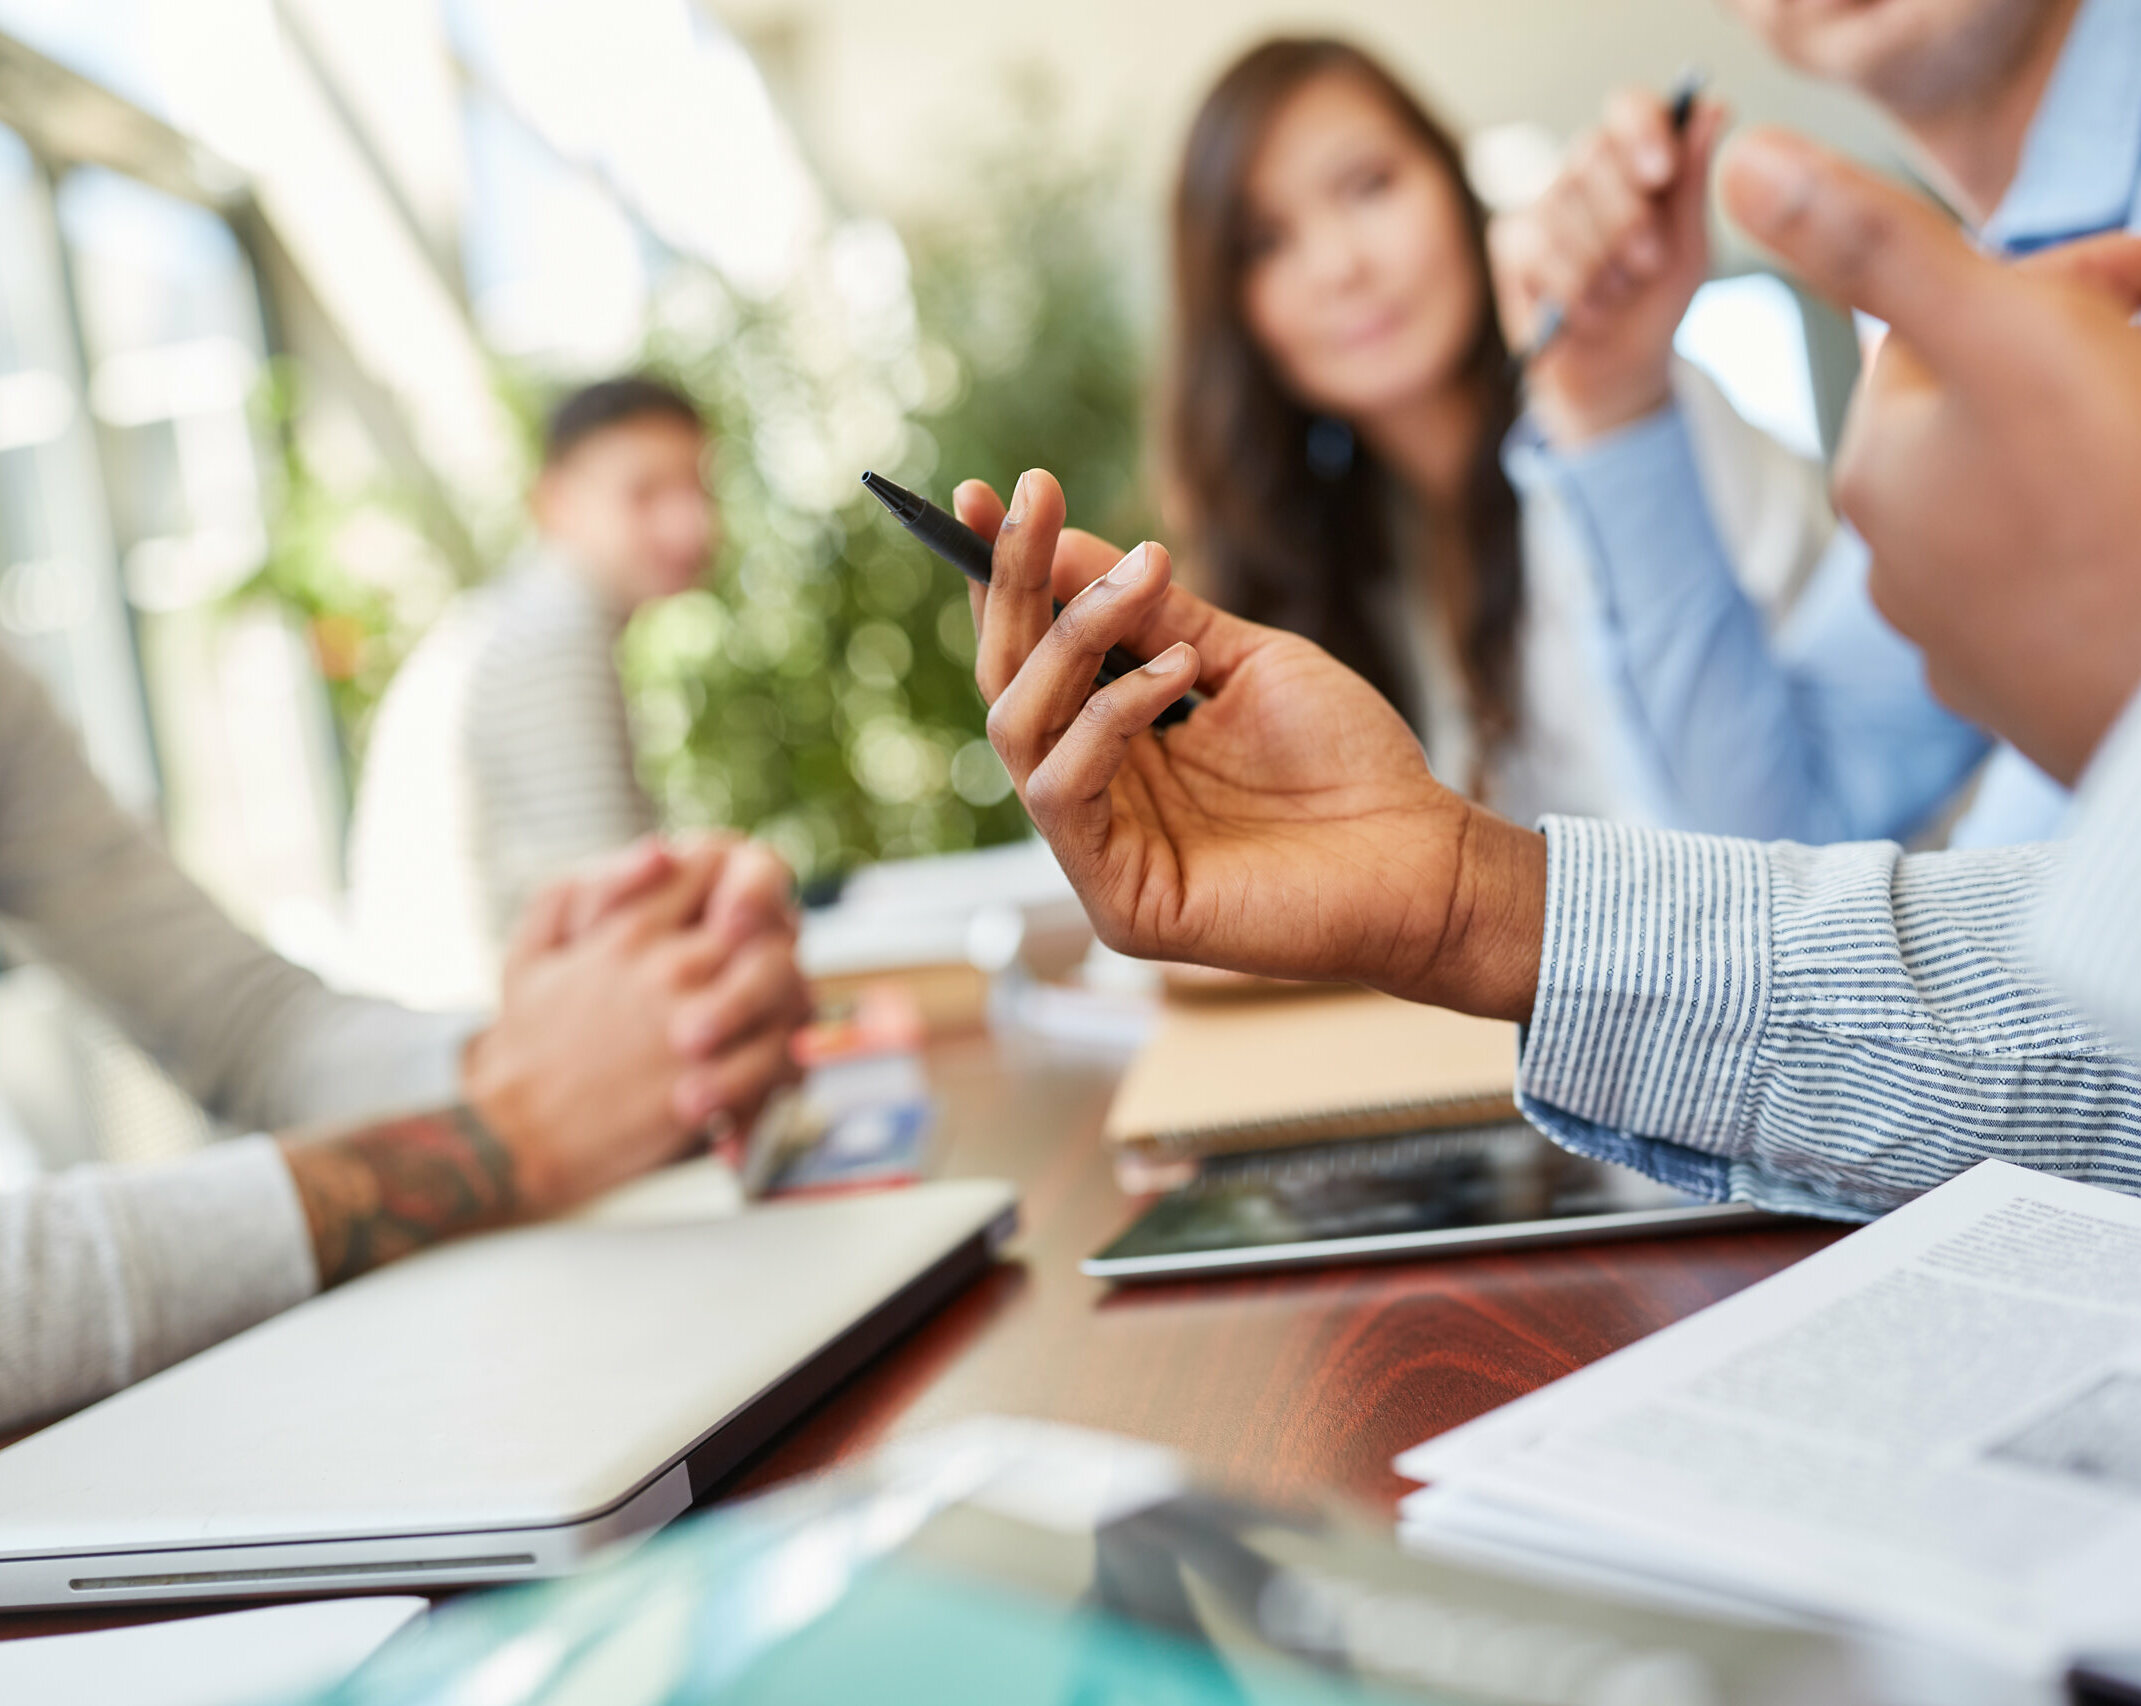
point(1930, 1431)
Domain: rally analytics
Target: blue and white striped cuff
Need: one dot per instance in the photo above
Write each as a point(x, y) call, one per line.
point(1654, 988)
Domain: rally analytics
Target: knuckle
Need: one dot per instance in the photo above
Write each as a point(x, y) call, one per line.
point(1107, 712)
point(1044, 796)
point(1002, 728)
point(1086, 621)
point(770, 974)
point(736, 1012)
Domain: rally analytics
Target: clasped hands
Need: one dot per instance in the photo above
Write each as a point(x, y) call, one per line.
point(645, 1004)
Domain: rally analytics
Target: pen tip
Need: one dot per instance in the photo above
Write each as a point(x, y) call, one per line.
point(898, 499)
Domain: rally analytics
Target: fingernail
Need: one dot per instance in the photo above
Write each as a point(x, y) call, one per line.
point(1131, 568)
point(1170, 661)
point(1769, 182)
point(1017, 512)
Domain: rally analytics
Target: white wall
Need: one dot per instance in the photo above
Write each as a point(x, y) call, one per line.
point(884, 89)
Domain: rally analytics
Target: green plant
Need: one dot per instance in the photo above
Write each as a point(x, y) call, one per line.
point(819, 690)
point(352, 568)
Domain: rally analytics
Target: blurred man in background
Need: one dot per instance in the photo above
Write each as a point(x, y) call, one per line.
point(502, 755)
point(2026, 116)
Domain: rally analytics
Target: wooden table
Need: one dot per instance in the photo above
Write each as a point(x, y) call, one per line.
point(1289, 1381)
point(1312, 1380)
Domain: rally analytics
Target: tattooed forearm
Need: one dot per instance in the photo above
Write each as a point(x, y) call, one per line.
point(381, 1191)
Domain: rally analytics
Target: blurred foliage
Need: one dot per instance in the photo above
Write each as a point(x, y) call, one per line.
point(353, 569)
point(819, 691)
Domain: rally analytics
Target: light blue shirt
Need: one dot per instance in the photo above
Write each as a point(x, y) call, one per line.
point(1823, 729)
point(1833, 1030)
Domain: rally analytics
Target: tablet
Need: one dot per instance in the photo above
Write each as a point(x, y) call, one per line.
point(1434, 1194)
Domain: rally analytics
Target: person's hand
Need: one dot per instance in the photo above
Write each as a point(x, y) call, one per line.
point(1990, 454)
point(1290, 827)
point(1620, 241)
point(603, 886)
point(645, 999)
point(614, 1047)
point(754, 994)
point(734, 1030)
point(752, 887)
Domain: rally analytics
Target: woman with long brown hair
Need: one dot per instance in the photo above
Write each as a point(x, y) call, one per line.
point(1337, 406)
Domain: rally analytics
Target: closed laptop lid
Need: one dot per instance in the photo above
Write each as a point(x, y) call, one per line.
point(527, 1378)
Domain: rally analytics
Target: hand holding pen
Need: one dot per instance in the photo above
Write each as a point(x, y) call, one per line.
point(1289, 827)
point(1593, 277)
point(973, 556)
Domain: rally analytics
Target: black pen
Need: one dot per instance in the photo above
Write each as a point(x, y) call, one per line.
point(972, 555)
point(1552, 315)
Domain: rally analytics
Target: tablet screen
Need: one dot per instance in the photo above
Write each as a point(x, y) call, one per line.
point(1352, 1198)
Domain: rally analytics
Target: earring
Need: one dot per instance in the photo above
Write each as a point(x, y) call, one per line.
point(1330, 448)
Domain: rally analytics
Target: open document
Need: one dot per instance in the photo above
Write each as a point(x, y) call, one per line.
point(1931, 1428)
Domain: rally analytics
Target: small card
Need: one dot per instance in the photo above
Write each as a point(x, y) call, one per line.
point(884, 1143)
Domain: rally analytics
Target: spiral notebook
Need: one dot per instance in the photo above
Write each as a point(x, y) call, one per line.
point(1224, 1077)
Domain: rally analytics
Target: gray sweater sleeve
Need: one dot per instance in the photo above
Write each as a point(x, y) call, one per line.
point(108, 1274)
point(251, 1037)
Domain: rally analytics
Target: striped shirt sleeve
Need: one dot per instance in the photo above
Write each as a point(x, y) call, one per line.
point(548, 744)
point(1819, 1030)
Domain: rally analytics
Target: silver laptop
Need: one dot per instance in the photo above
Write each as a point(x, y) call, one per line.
point(490, 1411)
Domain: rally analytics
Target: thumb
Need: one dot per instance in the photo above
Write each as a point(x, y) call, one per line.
point(1865, 243)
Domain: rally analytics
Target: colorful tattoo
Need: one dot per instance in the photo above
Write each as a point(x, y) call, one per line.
point(380, 1192)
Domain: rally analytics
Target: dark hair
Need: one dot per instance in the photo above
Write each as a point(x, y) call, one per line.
point(592, 409)
point(1285, 531)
